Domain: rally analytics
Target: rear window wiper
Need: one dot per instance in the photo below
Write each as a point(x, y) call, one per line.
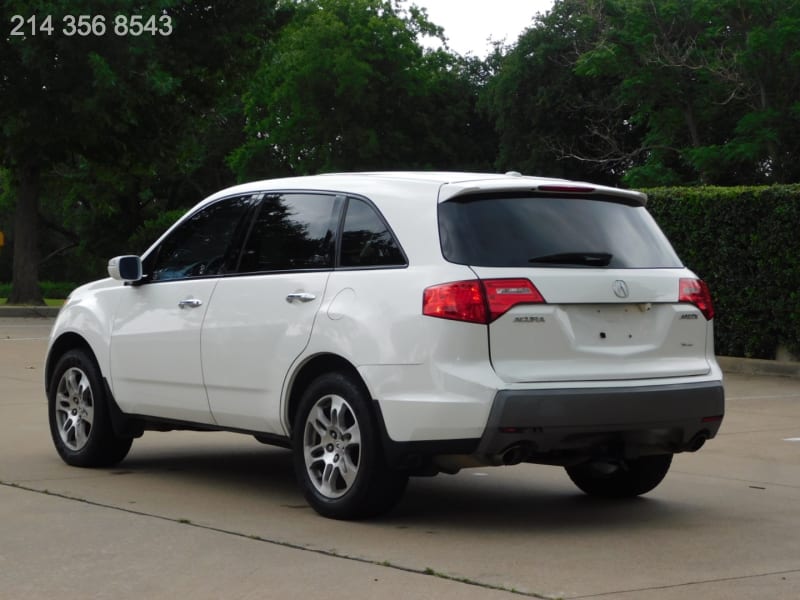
point(591, 259)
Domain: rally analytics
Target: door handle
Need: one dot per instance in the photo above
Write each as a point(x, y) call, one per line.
point(190, 303)
point(300, 297)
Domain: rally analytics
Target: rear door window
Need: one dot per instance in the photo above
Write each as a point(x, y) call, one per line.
point(531, 231)
point(292, 231)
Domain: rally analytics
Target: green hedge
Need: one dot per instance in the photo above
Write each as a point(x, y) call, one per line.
point(745, 242)
point(50, 289)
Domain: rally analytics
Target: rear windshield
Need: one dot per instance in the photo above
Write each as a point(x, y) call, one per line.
point(551, 232)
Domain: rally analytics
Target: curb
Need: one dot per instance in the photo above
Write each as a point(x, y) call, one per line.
point(46, 312)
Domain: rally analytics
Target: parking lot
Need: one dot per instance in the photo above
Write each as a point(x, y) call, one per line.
point(218, 515)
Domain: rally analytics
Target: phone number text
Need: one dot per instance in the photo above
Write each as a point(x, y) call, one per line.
point(91, 25)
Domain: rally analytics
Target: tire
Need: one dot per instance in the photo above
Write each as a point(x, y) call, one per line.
point(80, 423)
point(338, 459)
point(626, 479)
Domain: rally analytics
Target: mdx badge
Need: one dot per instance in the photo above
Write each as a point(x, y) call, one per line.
point(529, 319)
point(620, 289)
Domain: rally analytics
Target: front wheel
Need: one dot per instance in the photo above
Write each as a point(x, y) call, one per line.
point(338, 457)
point(80, 424)
point(623, 479)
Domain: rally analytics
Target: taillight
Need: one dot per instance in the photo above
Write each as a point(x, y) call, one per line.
point(459, 300)
point(695, 291)
point(469, 300)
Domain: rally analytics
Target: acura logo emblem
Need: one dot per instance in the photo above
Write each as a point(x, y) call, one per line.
point(620, 289)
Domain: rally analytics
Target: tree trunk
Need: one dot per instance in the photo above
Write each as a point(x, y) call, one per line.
point(25, 269)
point(694, 135)
point(691, 124)
point(775, 174)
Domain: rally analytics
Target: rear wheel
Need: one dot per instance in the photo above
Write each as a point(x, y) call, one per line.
point(80, 424)
point(623, 479)
point(338, 458)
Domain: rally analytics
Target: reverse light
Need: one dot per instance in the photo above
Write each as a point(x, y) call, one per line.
point(503, 294)
point(695, 291)
point(478, 301)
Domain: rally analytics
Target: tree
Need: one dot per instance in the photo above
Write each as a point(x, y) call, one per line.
point(766, 63)
point(346, 85)
point(696, 77)
point(550, 119)
point(95, 126)
point(654, 92)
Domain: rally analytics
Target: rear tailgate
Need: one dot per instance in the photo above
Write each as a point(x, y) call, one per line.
point(585, 331)
point(609, 279)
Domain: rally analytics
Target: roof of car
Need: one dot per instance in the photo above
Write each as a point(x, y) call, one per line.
point(448, 183)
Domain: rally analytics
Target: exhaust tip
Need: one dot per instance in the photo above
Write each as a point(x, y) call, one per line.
point(516, 454)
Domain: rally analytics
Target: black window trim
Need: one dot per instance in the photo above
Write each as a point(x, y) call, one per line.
point(340, 198)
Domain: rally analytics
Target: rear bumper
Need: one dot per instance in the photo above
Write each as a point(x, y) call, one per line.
point(549, 425)
point(569, 425)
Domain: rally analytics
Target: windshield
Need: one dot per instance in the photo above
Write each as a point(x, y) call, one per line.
point(551, 232)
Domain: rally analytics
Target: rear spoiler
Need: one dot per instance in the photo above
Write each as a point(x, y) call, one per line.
point(506, 189)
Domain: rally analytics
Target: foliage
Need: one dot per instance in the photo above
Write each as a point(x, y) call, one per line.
point(648, 93)
point(550, 120)
point(102, 132)
point(744, 243)
point(347, 86)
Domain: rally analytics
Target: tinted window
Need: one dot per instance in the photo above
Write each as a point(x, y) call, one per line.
point(366, 240)
point(205, 244)
point(541, 232)
point(291, 231)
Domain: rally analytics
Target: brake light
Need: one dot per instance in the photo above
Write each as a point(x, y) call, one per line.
point(478, 301)
point(566, 189)
point(695, 291)
point(459, 300)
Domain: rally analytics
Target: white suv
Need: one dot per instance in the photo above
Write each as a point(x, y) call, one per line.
point(392, 324)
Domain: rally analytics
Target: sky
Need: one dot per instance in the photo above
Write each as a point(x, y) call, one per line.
point(469, 23)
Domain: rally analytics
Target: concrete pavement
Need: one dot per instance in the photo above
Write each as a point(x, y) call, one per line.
point(219, 516)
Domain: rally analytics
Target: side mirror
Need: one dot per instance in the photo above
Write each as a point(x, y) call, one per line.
point(125, 268)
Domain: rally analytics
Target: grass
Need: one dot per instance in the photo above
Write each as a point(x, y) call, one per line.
point(47, 301)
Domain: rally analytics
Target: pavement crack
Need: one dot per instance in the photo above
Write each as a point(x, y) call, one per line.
point(426, 572)
point(739, 479)
point(775, 430)
point(684, 584)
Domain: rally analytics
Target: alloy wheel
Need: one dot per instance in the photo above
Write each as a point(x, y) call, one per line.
point(332, 446)
point(74, 408)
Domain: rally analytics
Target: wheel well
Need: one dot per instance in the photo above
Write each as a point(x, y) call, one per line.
point(65, 343)
point(323, 363)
